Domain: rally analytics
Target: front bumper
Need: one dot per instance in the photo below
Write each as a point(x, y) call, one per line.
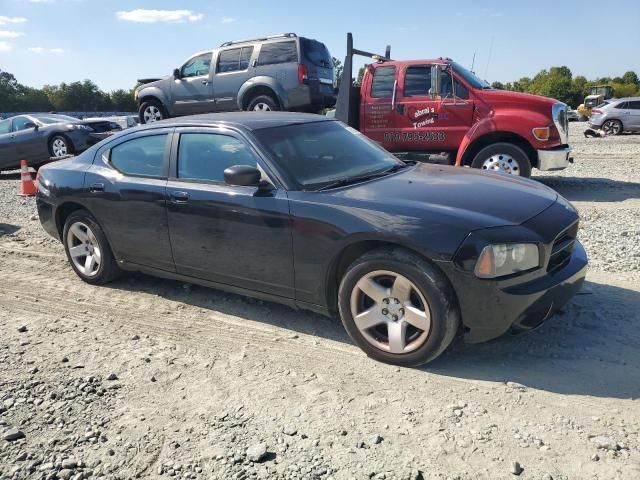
point(556, 158)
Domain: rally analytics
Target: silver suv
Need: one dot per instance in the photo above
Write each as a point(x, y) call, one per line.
point(278, 72)
point(617, 115)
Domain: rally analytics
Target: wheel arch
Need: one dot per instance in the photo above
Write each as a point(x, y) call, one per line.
point(63, 135)
point(352, 251)
point(267, 86)
point(62, 213)
point(499, 137)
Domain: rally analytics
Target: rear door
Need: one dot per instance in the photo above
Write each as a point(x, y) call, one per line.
point(634, 114)
point(233, 68)
point(193, 91)
point(7, 149)
point(125, 189)
point(279, 60)
point(233, 235)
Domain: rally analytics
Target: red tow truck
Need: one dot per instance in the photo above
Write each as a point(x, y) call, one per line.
point(423, 107)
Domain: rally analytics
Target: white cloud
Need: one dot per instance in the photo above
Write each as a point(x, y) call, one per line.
point(9, 34)
point(5, 47)
point(36, 49)
point(228, 20)
point(45, 50)
point(155, 16)
point(6, 20)
point(56, 50)
point(496, 14)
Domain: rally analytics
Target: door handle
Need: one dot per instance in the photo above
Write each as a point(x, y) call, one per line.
point(96, 187)
point(205, 82)
point(179, 197)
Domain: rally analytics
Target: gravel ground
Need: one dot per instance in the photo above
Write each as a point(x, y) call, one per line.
point(147, 378)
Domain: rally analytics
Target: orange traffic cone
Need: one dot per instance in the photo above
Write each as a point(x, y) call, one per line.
point(27, 187)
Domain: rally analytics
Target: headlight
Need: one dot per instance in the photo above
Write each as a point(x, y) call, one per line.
point(77, 126)
point(506, 259)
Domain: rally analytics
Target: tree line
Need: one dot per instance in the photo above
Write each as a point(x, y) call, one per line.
point(84, 96)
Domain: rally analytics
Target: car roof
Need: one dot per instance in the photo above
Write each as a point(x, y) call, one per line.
point(244, 120)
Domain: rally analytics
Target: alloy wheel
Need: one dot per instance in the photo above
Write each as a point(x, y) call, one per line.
point(502, 162)
point(390, 312)
point(152, 114)
point(261, 107)
point(611, 127)
point(59, 147)
point(84, 249)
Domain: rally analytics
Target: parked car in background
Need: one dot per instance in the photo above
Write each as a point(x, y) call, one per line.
point(278, 72)
point(37, 138)
point(405, 253)
point(573, 115)
point(616, 116)
point(122, 121)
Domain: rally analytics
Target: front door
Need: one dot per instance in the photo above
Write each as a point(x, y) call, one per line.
point(126, 189)
point(431, 123)
point(233, 68)
point(233, 235)
point(30, 144)
point(193, 91)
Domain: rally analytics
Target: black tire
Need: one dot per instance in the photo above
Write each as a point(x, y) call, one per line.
point(59, 146)
point(155, 107)
point(433, 286)
point(612, 127)
point(108, 268)
point(508, 150)
point(264, 100)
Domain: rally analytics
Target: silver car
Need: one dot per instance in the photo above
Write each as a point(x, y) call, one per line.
point(617, 115)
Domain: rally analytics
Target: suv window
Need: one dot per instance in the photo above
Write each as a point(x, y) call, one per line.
point(141, 156)
point(316, 53)
point(20, 123)
point(417, 81)
point(383, 80)
point(234, 60)
point(279, 52)
point(197, 66)
point(5, 126)
point(621, 106)
point(634, 105)
point(204, 156)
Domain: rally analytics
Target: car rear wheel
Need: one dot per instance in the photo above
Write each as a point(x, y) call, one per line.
point(397, 307)
point(87, 249)
point(503, 157)
point(263, 103)
point(612, 127)
point(151, 111)
point(59, 146)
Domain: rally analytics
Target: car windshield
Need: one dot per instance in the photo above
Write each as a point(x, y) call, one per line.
point(54, 118)
point(470, 77)
point(316, 53)
point(317, 155)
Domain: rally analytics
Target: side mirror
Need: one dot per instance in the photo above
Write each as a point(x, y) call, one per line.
point(31, 125)
point(242, 175)
point(176, 74)
point(436, 81)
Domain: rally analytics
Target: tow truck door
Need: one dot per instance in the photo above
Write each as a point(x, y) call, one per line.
point(426, 122)
point(377, 120)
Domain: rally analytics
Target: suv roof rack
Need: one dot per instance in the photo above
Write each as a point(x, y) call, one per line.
point(260, 39)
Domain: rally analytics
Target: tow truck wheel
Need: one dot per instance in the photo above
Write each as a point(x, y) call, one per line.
point(503, 157)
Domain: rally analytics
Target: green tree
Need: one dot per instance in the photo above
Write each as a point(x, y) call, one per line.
point(630, 77)
point(123, 101)
point(338, 68)
point(498, 86)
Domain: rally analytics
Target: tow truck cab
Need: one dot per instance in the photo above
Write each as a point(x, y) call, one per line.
point(433, 106)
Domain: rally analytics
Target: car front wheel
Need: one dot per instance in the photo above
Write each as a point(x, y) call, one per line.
point(59, 146)
point(87, 249)
point(397, 307)
point(151, 111)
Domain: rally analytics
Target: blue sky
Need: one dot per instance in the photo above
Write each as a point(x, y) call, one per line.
point(114, 42)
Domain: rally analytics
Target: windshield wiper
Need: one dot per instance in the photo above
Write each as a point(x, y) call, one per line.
point(361, 178)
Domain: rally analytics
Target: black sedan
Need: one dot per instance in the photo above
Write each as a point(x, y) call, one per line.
point(302, 210)
point(37, 138)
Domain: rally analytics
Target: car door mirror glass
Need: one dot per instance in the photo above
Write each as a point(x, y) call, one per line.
point(176, 73)
point(242, 175)
point(30, 125)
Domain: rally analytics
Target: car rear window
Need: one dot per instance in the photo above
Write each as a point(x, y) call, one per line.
point(141, 156)
point(621, 105)
point(279, 52)
point(316, 53)
point(383, 80)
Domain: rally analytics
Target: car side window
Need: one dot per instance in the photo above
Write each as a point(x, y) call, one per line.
point(5, 127)
point(634, 105)
point(621, 106)
point(417, 81)
point(234, 60)
point(205, 156)
point(20, 123)
point(141, 156)
point(279, 52)
point(197, 66)
point(383, 80)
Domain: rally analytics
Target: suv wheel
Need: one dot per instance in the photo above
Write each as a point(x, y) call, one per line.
point(503, 157)
point(151, 111)
point(87, 249)
point(612, 127)
point(397, 307)
point(263, 103)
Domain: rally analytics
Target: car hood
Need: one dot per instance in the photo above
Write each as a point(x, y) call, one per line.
point(516, 98)
point(469, 198)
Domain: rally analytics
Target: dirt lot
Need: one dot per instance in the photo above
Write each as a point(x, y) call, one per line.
point(157, 379)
